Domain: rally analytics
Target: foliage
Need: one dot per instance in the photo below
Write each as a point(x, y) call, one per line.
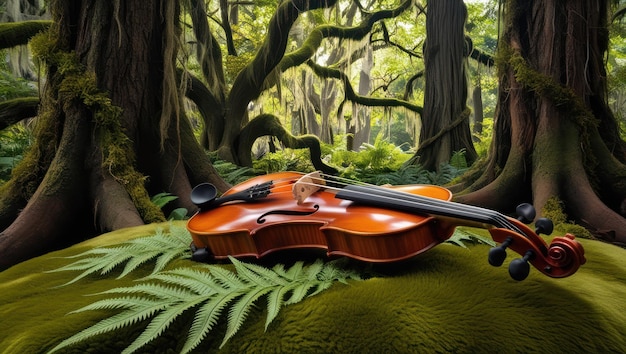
point(415, 174)
point(13, 87)
point(161, 199)
point(285, 160)
point(482, 141)
point(13, 143)
point(210, 290)
point(378, 157)
point(163, 246)
point(462, 236)
point(232, 173)
point(378, 163)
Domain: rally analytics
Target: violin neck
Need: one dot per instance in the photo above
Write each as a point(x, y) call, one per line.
point(416, 204)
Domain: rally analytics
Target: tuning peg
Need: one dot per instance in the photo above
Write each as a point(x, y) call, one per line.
point(525, 213)
point(203, 194)
point(544, 226)
point(497, 255)
point(519, 268)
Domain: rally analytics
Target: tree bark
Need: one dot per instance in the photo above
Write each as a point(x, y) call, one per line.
point(445, 124)
point(554, 135)
point(110, 129)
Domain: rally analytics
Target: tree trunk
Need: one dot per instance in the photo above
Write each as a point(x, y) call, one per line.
point(109, 117)
point(477, 100)
point(362, 114)
point(445, 121)
point(554, 135)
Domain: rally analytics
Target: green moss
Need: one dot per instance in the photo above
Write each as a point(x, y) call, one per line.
point(446, 300)
point(75, 83)
point(564, 98)
point(554, 210)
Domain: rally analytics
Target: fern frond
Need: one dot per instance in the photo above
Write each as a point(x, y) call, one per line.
point(227, 278)
point(159, 324)
point(338, 270)
point(294, 271)
point(299, 292)
point(200, 282)
point(460, 236)
point(259, 275)
point(239, 311)
point(205, 319)
point(159, 291)
point(127, 302)
point(210, 289)
point(117, 321)
point(274, 304)
point(162, 246)
point(134, 263)
point(314, 269)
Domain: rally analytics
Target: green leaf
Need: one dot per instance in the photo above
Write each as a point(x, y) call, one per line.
point(161, 199)
point(112, 323)
point(239, 311)
point(159, 324)
point(205, 320)
point(209, 289)
point(461, 236)
point(164, 247)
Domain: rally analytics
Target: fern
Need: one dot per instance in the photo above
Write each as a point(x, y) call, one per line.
point(460, 236)
point(164, 247)
point(210, 290)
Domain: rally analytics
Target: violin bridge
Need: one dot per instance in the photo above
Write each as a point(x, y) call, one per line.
point(307, 185)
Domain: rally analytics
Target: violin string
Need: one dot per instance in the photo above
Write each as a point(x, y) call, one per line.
point(327, 181)
point(489, 215)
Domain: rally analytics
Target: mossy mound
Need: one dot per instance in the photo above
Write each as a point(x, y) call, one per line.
point(447, 300)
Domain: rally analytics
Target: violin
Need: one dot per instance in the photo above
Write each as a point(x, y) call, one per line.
point(292, 210)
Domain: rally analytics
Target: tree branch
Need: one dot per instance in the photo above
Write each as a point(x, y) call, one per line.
point(314, 40)
point(351, 95)
point(19, 33)
point(17, 109)
point(267, 124)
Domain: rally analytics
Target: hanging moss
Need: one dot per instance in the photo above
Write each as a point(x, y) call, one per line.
point(75, 83)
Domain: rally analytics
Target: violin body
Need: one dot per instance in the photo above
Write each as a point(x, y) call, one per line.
point(340, 227)
point(242, 225)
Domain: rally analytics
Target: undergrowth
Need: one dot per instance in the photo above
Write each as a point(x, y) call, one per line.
point(212, 292)
point(379, 163)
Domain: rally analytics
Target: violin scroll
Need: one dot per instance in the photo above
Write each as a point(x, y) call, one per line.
point(565, 254)
point(560, 259)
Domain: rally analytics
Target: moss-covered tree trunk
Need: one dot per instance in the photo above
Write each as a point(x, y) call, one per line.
point(109, 131)
point(555, 140)
point(445, 121)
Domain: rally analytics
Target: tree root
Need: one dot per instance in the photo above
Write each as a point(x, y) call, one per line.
point(267, 124)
